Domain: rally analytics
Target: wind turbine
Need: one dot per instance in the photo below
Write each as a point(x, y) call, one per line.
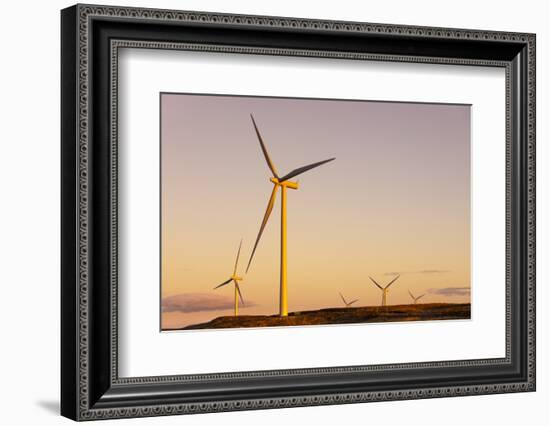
point(283, 182)
point(416, 298)
point(384, 289)
point(235, 278)
point(348, 304)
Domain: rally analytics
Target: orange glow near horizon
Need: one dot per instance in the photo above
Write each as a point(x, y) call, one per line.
point(395, 200)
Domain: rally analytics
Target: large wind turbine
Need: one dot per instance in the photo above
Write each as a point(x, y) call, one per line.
point(235, 278)
point(416, 299)
point(283, 183)
point(348, 304)
point(384, 289)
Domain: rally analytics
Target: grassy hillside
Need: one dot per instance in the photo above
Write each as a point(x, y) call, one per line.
point(365, 314)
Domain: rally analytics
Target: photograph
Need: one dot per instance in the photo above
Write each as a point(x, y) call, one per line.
point(283, 211)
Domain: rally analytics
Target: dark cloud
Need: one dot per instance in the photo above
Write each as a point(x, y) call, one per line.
point(197, 302)
point(423, 271)
point(450, 291)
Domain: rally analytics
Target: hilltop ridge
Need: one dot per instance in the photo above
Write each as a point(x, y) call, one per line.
point(351, 315)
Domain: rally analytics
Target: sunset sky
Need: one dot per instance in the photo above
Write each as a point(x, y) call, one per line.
point(395, 200)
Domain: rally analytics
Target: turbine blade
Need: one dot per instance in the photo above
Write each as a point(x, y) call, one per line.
point(422, 295)
point(264, 150)
point(353, 301)
point(410, 294)
point(264, 222)
point(224, 283)
point(377, 285)
point(239, 291)
point(303, 169)
point(237, 259)
point(392, 281)
point(343, 300)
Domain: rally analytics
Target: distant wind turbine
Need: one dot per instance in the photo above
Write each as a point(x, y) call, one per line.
point(348, 304)
point(284, 183)
point(385, 290)
point(235, 278)
point(416, 299)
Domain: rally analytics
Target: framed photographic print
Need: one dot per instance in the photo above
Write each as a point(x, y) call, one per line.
point(263, 212)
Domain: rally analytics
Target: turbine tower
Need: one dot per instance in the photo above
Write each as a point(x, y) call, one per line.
point(235, 278)
point(348, 304)
point(283, 183)
point(416, 298)
point(384, 289)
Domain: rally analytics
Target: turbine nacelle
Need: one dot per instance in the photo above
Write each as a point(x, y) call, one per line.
point(286, 183)
point(348, 304)
point(234, 278)
point(416, 299)
point(385, 289)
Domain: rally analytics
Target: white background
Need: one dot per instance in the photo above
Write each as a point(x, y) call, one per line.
point(146, 352)
point(29, 225)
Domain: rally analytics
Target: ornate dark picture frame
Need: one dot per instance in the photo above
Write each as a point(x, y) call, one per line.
point(90, 385)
